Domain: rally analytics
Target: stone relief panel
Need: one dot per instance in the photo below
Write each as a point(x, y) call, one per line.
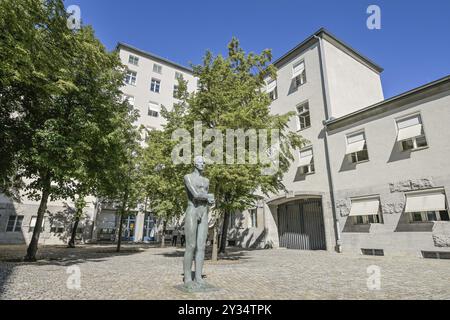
point(411, 185)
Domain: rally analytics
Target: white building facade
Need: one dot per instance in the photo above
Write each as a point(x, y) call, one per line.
point(372, 179)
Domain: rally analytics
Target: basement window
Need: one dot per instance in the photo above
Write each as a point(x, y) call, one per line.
point(435, 255)
point(372, 252)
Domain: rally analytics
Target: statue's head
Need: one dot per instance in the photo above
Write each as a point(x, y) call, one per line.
point(199, 163)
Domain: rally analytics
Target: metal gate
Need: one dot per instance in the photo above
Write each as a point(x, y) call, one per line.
point(301, 226)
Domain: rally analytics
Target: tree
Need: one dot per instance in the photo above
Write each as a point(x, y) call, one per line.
point(231, 95)
point(165, 193)
point(61, 88)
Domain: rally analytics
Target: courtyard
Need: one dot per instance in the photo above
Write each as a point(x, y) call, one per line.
point(146, 272)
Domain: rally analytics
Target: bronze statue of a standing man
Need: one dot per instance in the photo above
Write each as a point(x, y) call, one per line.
point(196, 223)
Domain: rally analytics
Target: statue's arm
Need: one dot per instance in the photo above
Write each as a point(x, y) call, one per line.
point(197, 195)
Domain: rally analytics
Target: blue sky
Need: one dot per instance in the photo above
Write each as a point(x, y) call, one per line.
point(413, 45)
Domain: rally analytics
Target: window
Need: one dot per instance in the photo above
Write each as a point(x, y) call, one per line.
point(133, 60)
point(306, 161)
point(178, 75)
point(56, 229)
point(299, 74)
point(369, 219)
point(129, 99)
point(411, 135)
point(14, 224)
point(272, 90)
point(428, 216)
point(33, 224)
point(366, 211)
point(153, 109)
point(155, 85)
point(372, 252)
point(232, 222)
point(427, 206)
point(175, 91)
point(130, 77)
point(304, 115)
point(357, 147)
point(253, 218)
point(157, 68)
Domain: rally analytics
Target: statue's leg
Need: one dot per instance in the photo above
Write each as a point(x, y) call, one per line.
point(201, 244)
point(190, 229)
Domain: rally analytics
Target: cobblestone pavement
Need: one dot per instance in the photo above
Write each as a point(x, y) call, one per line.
point(152, 273)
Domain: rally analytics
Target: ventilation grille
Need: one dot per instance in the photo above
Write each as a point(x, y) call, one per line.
point(373, 252)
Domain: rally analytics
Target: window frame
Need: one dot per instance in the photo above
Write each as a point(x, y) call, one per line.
point(155, 83)
point(133, 60)
point(127, 77)
point(357, 155)
point(304, 114)
point(366, 219)
point(311, 169)
point(413, 140)
point(16, 224)
point(157, 68)
point(179, 76)
point(425, 216)
point(301, 79)
point(253, 213)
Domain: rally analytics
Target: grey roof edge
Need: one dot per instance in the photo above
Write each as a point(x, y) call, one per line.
point(153, 56)
point(325, 34)
point(426, 88)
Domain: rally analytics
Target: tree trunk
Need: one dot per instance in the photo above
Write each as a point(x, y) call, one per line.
point(122, 213)
point(223, 238)
point(215, 244)
point(74, 232)
point(33, 246)
point(119, 236)
point(163, 234)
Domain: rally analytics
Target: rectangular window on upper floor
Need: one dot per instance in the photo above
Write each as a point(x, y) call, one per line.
point(133, 60)
point(306, 161)
point(157, 68)
point(178, 75)
point(272, 89)
point(153, 109)
point(411, 135)
point(130, 77)
point(129, 99)
point(357, 147)
point(155, 85)
point(299, 73)
point(304, 116)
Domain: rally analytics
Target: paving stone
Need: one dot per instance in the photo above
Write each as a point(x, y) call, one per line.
point(145, 272)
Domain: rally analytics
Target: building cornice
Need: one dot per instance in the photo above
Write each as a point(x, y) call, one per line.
point(153, 57)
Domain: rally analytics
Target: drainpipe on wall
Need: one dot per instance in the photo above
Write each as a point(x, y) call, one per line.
point(326, 101)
